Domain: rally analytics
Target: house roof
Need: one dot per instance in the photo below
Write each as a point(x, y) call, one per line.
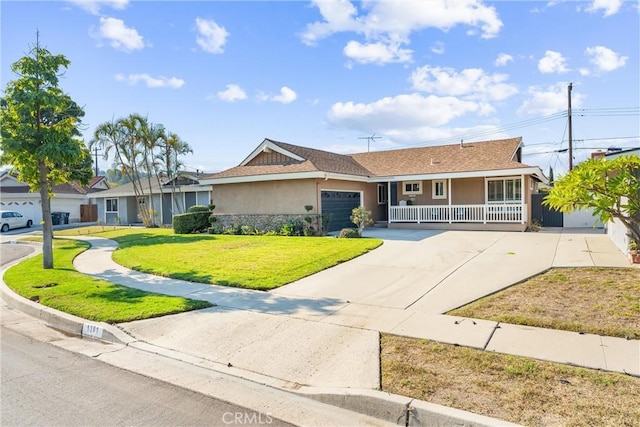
point(464, 157)
point(124, 190)
point(302, 162)
point(69, 188)
point(298, 159)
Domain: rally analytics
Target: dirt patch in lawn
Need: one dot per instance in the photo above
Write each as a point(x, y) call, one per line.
point(603, 301)
point(511, 388)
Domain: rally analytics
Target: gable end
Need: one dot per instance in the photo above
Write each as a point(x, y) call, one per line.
point(269, 157)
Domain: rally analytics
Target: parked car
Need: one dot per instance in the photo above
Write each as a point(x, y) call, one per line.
point(10, 219)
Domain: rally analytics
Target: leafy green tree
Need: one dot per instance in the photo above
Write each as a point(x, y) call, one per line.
point(39, 135)
point(361, 217)
point(610, 187)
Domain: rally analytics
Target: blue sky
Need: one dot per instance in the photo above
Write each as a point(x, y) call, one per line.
point(327, 74)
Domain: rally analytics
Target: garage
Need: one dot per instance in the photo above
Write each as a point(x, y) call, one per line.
point(337, 205)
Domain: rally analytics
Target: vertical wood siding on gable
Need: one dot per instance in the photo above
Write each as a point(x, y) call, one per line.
point(272, 158)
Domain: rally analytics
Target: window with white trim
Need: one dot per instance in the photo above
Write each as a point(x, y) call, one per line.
point(111, 205)
point(504, 190)
point(439, 189)
point(412, 187)
point(382, 194)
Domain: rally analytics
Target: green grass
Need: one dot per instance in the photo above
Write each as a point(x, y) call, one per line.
point(64, 289)
point(253, 262)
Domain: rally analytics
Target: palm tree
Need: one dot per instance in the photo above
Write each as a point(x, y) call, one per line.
point(172, 147)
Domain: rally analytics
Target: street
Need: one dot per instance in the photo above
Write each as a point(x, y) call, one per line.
point(47, 386)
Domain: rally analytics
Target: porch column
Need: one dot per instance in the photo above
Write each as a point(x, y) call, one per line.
point(449, 195)
point(388, 203)
point(523, 191)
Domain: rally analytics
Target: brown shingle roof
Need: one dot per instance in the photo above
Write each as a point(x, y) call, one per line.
point(468, 157)
point(315, 161)
point(471, 156)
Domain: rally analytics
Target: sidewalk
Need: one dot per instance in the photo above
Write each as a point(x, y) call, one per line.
point(328, 346)
point(333, 342)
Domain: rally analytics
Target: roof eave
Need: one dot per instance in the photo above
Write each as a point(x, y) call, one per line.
point(529, 170)
point(285, 176)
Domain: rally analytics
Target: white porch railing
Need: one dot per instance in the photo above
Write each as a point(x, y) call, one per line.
point(459, 213)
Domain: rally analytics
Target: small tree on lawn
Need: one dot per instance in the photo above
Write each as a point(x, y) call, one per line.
point(610, 187)
point(361, 217)
point(39, 135)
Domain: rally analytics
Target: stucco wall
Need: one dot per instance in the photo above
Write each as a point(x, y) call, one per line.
point(287, 197)
point(269, 197)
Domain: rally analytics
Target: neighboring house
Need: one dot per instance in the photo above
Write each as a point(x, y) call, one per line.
point(119, 205)
point(472, 186)
point(615, 229)
point(16, 196)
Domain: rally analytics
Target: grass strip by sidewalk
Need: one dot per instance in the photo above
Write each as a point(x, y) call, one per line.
point(603, 301)
point(252, 262)
point(64, 289)
point(511, 388)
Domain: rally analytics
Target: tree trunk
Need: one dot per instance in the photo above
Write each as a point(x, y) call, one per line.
point(47, 226)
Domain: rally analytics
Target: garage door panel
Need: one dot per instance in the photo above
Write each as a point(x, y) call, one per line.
point(338, 205)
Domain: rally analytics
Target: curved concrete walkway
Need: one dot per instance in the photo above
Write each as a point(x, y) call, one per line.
point(326, 326)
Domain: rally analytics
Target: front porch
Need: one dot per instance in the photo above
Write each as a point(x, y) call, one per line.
point(484, 214)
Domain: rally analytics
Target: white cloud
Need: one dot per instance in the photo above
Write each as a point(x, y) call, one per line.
point(377, 53)
point(552, 62)
point(286, 96)
point(549, 100)
point(610, 7)
point(211, 37)
point(584, 71)
point(119, 35)
point(403, 112)
point(438, 48)
point(232, 93)
point(152, 82)
point(503, 59)
point(390, 23)
point(472, 83)
point(93, 6)
point(605, 59)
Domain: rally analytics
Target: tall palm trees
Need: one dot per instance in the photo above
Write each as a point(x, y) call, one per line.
point(143, 150)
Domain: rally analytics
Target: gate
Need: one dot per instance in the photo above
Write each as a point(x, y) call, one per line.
point(544, 215)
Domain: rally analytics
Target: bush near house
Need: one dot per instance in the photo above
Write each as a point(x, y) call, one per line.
point(196, 220)
point(349, 233)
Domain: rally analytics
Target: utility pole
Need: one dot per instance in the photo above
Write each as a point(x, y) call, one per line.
point(96, 155)
point(570, 127)
point(370, 139)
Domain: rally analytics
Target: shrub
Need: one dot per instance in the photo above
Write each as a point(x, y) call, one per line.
point(196, 220)
point(184, 223)
point(291, 228)
point(361, 217)
point(202, 214)
point(349, 233)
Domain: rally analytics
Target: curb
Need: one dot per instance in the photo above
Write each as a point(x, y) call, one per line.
point(392, 408)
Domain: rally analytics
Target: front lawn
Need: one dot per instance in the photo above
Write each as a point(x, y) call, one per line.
point(64, 289)
point(511, 388)
point(253, 262)
point(604, 301)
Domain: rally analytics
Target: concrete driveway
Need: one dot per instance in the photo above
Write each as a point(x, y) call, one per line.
point(433, 272)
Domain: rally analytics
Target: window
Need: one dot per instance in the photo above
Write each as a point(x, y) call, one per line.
point(112, 205)
point(439, 189)
point(504, 190)
point(412, 187)
point(382, 194)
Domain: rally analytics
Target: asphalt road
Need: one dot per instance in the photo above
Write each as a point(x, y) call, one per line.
point(44, 385)
point(10, 252)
